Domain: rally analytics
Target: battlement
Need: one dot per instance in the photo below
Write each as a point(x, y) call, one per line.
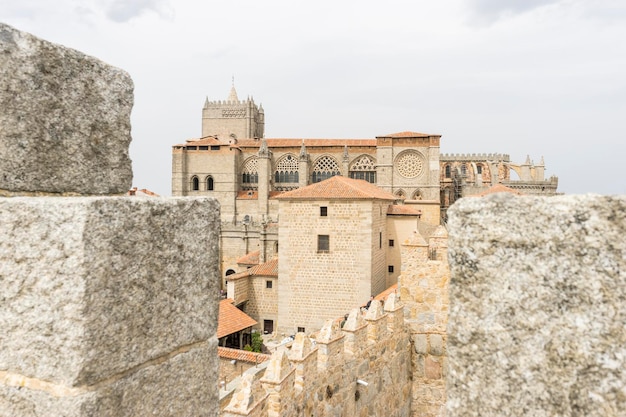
point(474, 157)
point(342, 369)
point(221, 103)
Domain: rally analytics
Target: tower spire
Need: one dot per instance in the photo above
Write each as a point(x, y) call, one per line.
point(233, 93)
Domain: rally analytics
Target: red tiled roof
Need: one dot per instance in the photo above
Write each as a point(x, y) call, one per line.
point(406, 135)
point(498, 188)
point(383, 295)
point(338, 187)
point(402, 210)
point(242, 355)
point(251, 258)
point(141, 192)
point(293, 142)
point(267, 269)
point(231, 319)
point(207, 140)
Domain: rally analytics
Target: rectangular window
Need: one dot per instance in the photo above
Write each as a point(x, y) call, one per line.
point(323, 243)
point(323, 211)
point(300, 329)
point(391, 243)
point(268, 326)
point(215, 147)
point(390, 268)
point(203, 148)
point(380, 240)
point(192, 148)
point(479, 169)
point(268, 284)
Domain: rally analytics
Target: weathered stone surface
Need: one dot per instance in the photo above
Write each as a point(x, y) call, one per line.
point(93, 286)
point(65, 119)
point(538, 306)
point(181, 386)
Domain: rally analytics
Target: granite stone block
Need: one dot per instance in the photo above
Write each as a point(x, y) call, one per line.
point(538, 306)
point(94, 286)
point(65, 120)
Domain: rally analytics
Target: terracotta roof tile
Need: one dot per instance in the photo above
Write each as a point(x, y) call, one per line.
point(267, 269)
point(402, 210)
point(383, 295)
point(231, 319)
point(293, 142)
point(338, 188)
point(251, 258)
point(497, 188)
point(141, 192)
point(207, 140)
point(407, 135)
point(242, 355)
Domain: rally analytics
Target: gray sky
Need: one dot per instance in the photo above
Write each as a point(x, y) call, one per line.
point(521, 77)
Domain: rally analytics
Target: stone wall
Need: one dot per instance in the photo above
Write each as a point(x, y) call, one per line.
point(315, 286)
point(538, 306)
point(360, 369)
point(423, 288)
point(108, 304)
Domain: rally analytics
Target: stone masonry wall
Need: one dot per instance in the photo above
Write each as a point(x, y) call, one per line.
point(108, 304)
point(361, 369)
point(423, 287)
point(538, 306)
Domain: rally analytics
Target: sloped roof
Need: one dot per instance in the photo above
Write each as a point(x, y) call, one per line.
point(267, 269)
point(407, 134)
point(143, 192)
point(242, 355)
point(207, 140)
point(297, 142)
point(498, 188)
point(251, 258)
point(231, 319)
point(383, 295)
point(402, 210)
point(338, 188)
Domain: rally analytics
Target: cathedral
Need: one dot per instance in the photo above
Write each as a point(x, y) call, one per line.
point(235, 163)
point(260, 181)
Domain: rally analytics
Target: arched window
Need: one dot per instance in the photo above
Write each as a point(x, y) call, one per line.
point(400, 195)
point(364, 168)
point(209, 183)
point(324, 168)
point(249, 174)
point(417, 195)
point(195, 183)
point(448, 173)
point(286, 176)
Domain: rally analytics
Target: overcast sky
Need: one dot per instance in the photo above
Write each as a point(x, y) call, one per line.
point(520, 77)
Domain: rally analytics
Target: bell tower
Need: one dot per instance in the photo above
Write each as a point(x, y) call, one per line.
point(233, 119)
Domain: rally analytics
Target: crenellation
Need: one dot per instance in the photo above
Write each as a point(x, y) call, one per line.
point(299, 383)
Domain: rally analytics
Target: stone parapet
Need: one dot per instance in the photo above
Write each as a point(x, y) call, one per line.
point(65, 120)
point(373, 379)
point(106, 295)
point(538, 306)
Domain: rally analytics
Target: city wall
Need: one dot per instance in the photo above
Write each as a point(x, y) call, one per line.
point(360, 369)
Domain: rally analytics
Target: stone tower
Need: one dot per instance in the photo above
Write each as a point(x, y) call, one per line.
point(233, 119)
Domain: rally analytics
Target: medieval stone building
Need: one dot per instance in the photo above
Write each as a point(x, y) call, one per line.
point(253, 177)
